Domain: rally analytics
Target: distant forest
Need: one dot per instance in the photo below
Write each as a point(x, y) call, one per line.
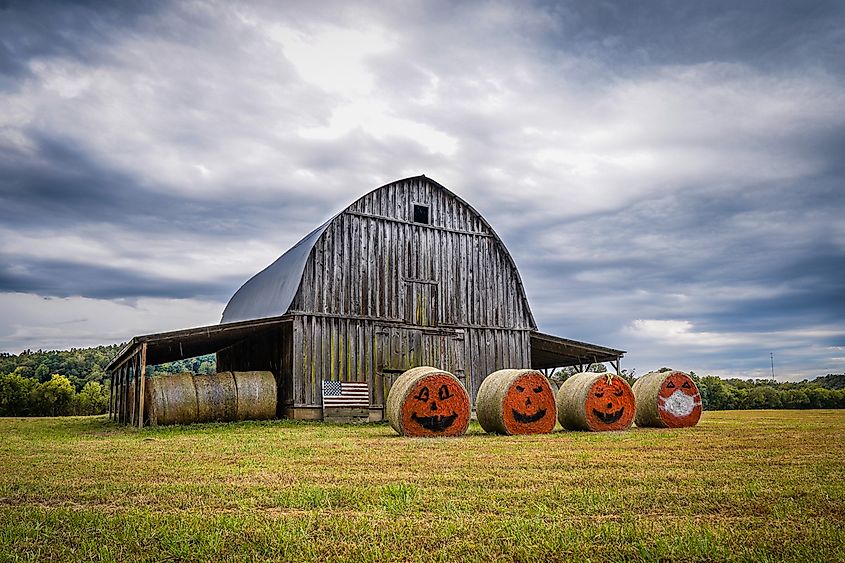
point(70, 382)
point(65, 382)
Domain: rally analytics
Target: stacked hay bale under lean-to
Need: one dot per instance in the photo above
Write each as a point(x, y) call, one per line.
point(595, 401)
point(221, 397)
point(428, 402)
point(516, 401)
point(667, 399)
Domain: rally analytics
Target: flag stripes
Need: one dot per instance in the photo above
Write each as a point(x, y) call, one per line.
point(345, 394)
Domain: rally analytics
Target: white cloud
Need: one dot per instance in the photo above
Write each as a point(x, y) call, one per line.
point(34, 322)
point(331, 57)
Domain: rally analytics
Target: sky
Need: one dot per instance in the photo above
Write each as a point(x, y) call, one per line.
point(668, 176)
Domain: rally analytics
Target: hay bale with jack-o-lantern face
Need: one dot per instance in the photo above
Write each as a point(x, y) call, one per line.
point(668, 399)
point(597, 402)
point(516, 401)
point(428, 402)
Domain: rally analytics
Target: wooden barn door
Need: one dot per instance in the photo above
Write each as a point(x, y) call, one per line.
point(401, 348)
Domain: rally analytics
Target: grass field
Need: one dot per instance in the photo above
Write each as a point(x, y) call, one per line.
point(743, 485)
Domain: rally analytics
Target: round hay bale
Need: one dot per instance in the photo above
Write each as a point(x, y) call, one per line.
point(516, 401)
point(217, 397)
point(256, 392)
point(427, 401)
point(668, 399)
point(171, 399)
point(595, 401)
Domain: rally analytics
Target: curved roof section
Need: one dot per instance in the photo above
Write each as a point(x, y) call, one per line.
point(270, 292)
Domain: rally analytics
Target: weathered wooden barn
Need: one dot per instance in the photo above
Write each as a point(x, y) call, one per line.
point(407, 275)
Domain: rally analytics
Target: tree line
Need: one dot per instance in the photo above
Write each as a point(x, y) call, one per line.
point(73, 382)
point(717, 394)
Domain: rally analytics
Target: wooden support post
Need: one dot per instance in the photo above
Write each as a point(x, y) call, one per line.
point(142, 368)
point(118, 395)
point(111, 387)
point(135, 383)
point(617, 364)
point(123, 394)
point(117, 377)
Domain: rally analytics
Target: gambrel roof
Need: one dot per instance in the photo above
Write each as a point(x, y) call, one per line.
point(271, 292)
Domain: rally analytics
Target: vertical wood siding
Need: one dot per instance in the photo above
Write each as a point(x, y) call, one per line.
point(381, 294)
point(364, 262)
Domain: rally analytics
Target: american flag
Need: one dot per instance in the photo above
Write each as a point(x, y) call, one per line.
point(345, 394)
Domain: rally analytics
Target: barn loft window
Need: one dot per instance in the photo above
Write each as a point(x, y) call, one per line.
point(421, 214)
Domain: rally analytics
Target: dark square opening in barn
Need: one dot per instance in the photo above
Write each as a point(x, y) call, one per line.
point(421, 214)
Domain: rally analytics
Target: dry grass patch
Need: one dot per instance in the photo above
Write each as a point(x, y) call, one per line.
point(764, 485)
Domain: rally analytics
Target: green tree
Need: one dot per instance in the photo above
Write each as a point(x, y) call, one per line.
point(42, 373)
point(54, 397)
point(24, 371)
point(796, 399)
point(96, 373)
point(91, 400)
point(16, 394)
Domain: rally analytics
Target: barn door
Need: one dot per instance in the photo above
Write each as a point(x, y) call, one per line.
point(444, 349)
point(399, 349)
point(421, 303)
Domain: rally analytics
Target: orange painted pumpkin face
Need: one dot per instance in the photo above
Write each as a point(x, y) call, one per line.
point(436, 406)
point(678, 401)
point(529, 405)
point(610, 406)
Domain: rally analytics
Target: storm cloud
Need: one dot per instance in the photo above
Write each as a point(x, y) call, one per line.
point(667, 175)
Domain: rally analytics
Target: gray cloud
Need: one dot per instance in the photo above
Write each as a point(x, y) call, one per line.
point(667, 175)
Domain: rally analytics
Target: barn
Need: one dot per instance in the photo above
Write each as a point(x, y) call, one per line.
point(407, 275)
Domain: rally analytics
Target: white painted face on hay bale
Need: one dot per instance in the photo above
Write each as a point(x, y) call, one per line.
point(678, 401)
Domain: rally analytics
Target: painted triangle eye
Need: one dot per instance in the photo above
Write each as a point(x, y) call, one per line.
point(600, 395)
point(423, 395)
point(686, 385)
point(520, 388)
point(670, 385)
point(538, 389)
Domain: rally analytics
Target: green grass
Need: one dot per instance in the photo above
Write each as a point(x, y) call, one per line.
point(747, 485)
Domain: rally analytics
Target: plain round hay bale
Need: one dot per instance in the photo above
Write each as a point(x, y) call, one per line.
point(217, 397)
point(427, 401)
point(171, 399)
point(595, 401)
point(516, 401)
point(667, 399)
point(256, 392)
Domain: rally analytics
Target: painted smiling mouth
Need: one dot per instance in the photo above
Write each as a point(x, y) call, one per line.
point(611, 417)
point(436, 423)
point(528, 418)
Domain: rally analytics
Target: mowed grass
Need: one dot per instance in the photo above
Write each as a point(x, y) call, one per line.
point(755, 486)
